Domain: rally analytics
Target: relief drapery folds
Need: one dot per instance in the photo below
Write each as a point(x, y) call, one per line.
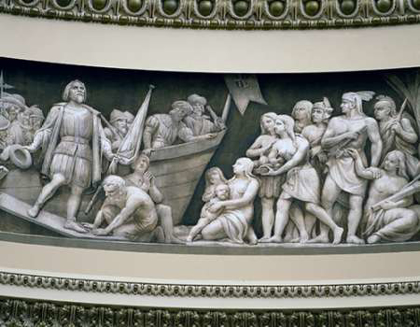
point(317, 172)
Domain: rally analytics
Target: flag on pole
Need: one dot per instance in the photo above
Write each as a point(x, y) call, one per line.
point(244, 88)
point(130, 145)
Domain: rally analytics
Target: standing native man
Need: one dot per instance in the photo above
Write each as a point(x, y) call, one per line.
point(72, 139)
point(349, 131)
point(397, 132)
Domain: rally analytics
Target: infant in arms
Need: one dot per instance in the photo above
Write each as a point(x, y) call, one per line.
point(207, 215)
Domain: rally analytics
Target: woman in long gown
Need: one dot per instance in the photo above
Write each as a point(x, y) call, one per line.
point(235, 220)
point(302, 181)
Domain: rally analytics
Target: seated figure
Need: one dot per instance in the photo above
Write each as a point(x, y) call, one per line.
point(222, 193)
point(386, 220)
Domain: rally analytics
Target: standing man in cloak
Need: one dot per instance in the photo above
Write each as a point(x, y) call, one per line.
point(72, 140)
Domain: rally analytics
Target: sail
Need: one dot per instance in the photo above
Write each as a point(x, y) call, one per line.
point(130, 145)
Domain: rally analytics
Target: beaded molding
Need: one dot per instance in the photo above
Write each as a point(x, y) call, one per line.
point(224, 14)
point(213, 291)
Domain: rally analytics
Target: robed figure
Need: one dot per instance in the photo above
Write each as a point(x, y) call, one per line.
point(72, 141)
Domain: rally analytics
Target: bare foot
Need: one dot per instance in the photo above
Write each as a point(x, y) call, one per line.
point(264, 238)
point(273, 239)
point(320, 239)
point(70, 224)
point(252, 240)
point(373, 239)
point(353, 239)
point(174, 240)
point(189, 239)
point(338, 233)
point(304, 238)
point(34, 211)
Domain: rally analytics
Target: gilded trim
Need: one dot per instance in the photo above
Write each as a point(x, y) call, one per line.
point(224, 14)
point(23, 313)
point(209, 291)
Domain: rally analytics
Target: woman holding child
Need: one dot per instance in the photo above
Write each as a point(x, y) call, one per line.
point(236, 213)
point(302, 181)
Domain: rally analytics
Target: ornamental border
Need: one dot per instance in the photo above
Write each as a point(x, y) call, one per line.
point(208, 291)
point(222, 15)
point(23, 313)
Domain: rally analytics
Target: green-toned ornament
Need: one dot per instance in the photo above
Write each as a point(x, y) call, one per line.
point(61, 3)
point(312, 7)
point(416, 4)
point(384, 5)
point(276, 8)
point(205, 7)
point(170, 6)
point(241, 7)
point(348, 6)
point(134, 5)
point(99, 4)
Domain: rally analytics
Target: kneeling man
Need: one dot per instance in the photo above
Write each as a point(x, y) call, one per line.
point(128, 211)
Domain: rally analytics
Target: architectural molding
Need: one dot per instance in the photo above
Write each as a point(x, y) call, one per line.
point(209, 291)
point(226, 14)
point(20, 313)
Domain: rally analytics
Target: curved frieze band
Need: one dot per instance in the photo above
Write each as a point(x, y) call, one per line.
point(208, 291)
point(226, 14)
point(19, 313)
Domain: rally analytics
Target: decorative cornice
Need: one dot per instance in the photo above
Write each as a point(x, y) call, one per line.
point(209, 291)
point(25, 313)
point(224, 14)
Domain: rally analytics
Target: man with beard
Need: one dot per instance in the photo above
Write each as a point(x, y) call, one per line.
point(349, 131)
point(143, 179)
point(72, 139)
point(397, 133)
point(128, 211)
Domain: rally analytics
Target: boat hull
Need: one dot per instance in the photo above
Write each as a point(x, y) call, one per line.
point(178, 169)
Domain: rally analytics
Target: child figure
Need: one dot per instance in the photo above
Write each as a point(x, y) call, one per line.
point(221, 193)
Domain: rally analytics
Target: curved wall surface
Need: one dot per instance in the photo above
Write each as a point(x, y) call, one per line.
point(346, 287)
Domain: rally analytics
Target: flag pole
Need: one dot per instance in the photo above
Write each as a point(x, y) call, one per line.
point(226, 108)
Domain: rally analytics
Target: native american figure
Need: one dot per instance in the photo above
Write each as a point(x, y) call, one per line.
point(349, 131)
